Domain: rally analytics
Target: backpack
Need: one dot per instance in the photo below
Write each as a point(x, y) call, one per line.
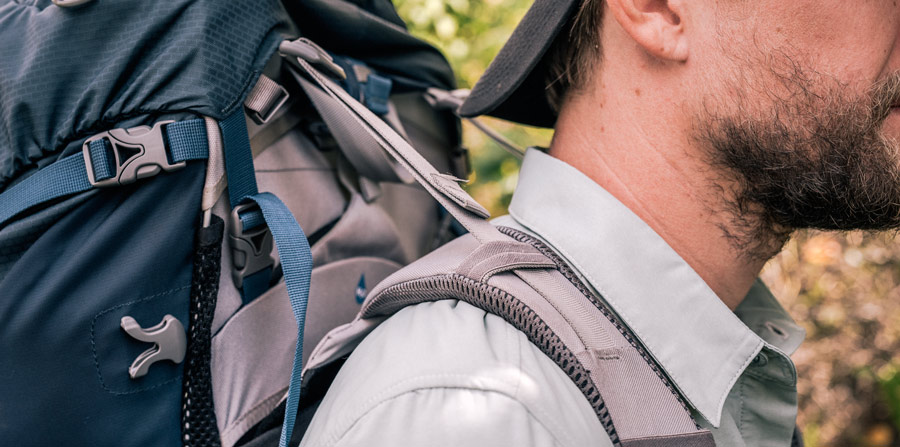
point(151, 293)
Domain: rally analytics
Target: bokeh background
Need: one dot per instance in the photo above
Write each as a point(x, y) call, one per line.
point(843, 288)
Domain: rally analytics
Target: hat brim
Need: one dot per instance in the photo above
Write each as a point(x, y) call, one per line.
point(514, 85)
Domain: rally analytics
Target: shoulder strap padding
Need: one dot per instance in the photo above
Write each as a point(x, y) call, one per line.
point(527, 284)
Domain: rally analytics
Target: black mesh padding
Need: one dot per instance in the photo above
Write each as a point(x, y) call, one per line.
point(198, 416)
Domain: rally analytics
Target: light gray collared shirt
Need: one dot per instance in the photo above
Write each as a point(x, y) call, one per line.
point(448, 374)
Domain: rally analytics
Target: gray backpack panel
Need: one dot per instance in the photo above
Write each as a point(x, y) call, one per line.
point(360, 230)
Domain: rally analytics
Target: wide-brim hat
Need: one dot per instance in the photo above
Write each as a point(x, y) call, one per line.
point(514, 85)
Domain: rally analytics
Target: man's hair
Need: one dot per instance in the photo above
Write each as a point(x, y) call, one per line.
point(574, 55)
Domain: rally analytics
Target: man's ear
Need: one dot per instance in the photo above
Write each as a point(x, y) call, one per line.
point(656, 25)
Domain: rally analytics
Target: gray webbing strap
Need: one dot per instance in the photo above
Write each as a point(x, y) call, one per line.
point(443, 187)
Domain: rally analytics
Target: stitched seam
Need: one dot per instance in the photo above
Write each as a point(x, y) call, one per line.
point(94, 344)
point(741, 414)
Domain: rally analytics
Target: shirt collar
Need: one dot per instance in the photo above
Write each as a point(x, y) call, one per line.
point(701, 344)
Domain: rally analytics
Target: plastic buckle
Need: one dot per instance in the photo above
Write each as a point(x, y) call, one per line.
point(139, 152)
point(168, 338)
point(251, 250)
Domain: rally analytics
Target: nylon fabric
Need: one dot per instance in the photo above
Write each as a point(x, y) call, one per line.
point(60, 322)
point(64, 177)
point(251, 381)
point(372, 32)
point(16, 237)
point(701, 439)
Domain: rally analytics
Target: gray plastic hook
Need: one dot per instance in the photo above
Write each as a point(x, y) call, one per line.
point(168, 338)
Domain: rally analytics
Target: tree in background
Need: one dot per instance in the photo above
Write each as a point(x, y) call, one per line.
point(844, 289)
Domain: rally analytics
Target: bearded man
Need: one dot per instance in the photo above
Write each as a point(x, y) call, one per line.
point(691, 138)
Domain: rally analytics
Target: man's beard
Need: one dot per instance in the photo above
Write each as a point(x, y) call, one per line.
point(815, 159)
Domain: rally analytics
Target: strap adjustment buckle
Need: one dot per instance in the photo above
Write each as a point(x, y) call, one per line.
point(251, 250)
point(137, 153)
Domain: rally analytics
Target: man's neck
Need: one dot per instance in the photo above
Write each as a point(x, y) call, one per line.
point(651, 165)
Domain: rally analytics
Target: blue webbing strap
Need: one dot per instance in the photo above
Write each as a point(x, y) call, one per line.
point(103, 160)
point(238, 158)
point(378, 93)
point(296, 262)
point(241, 184)
point(291, 242)
point(186, 141)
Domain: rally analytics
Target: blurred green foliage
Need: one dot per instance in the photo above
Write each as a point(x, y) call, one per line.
point(470, 33)
point(844, 289)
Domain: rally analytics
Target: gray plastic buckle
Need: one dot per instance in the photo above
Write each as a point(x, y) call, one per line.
point(139, 152)
point(251, 250)
point(168, 338)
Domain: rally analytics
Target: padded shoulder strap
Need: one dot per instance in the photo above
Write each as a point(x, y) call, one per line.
point(523, 281)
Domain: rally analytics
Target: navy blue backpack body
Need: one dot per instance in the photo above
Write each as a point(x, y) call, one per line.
point(184, 206)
